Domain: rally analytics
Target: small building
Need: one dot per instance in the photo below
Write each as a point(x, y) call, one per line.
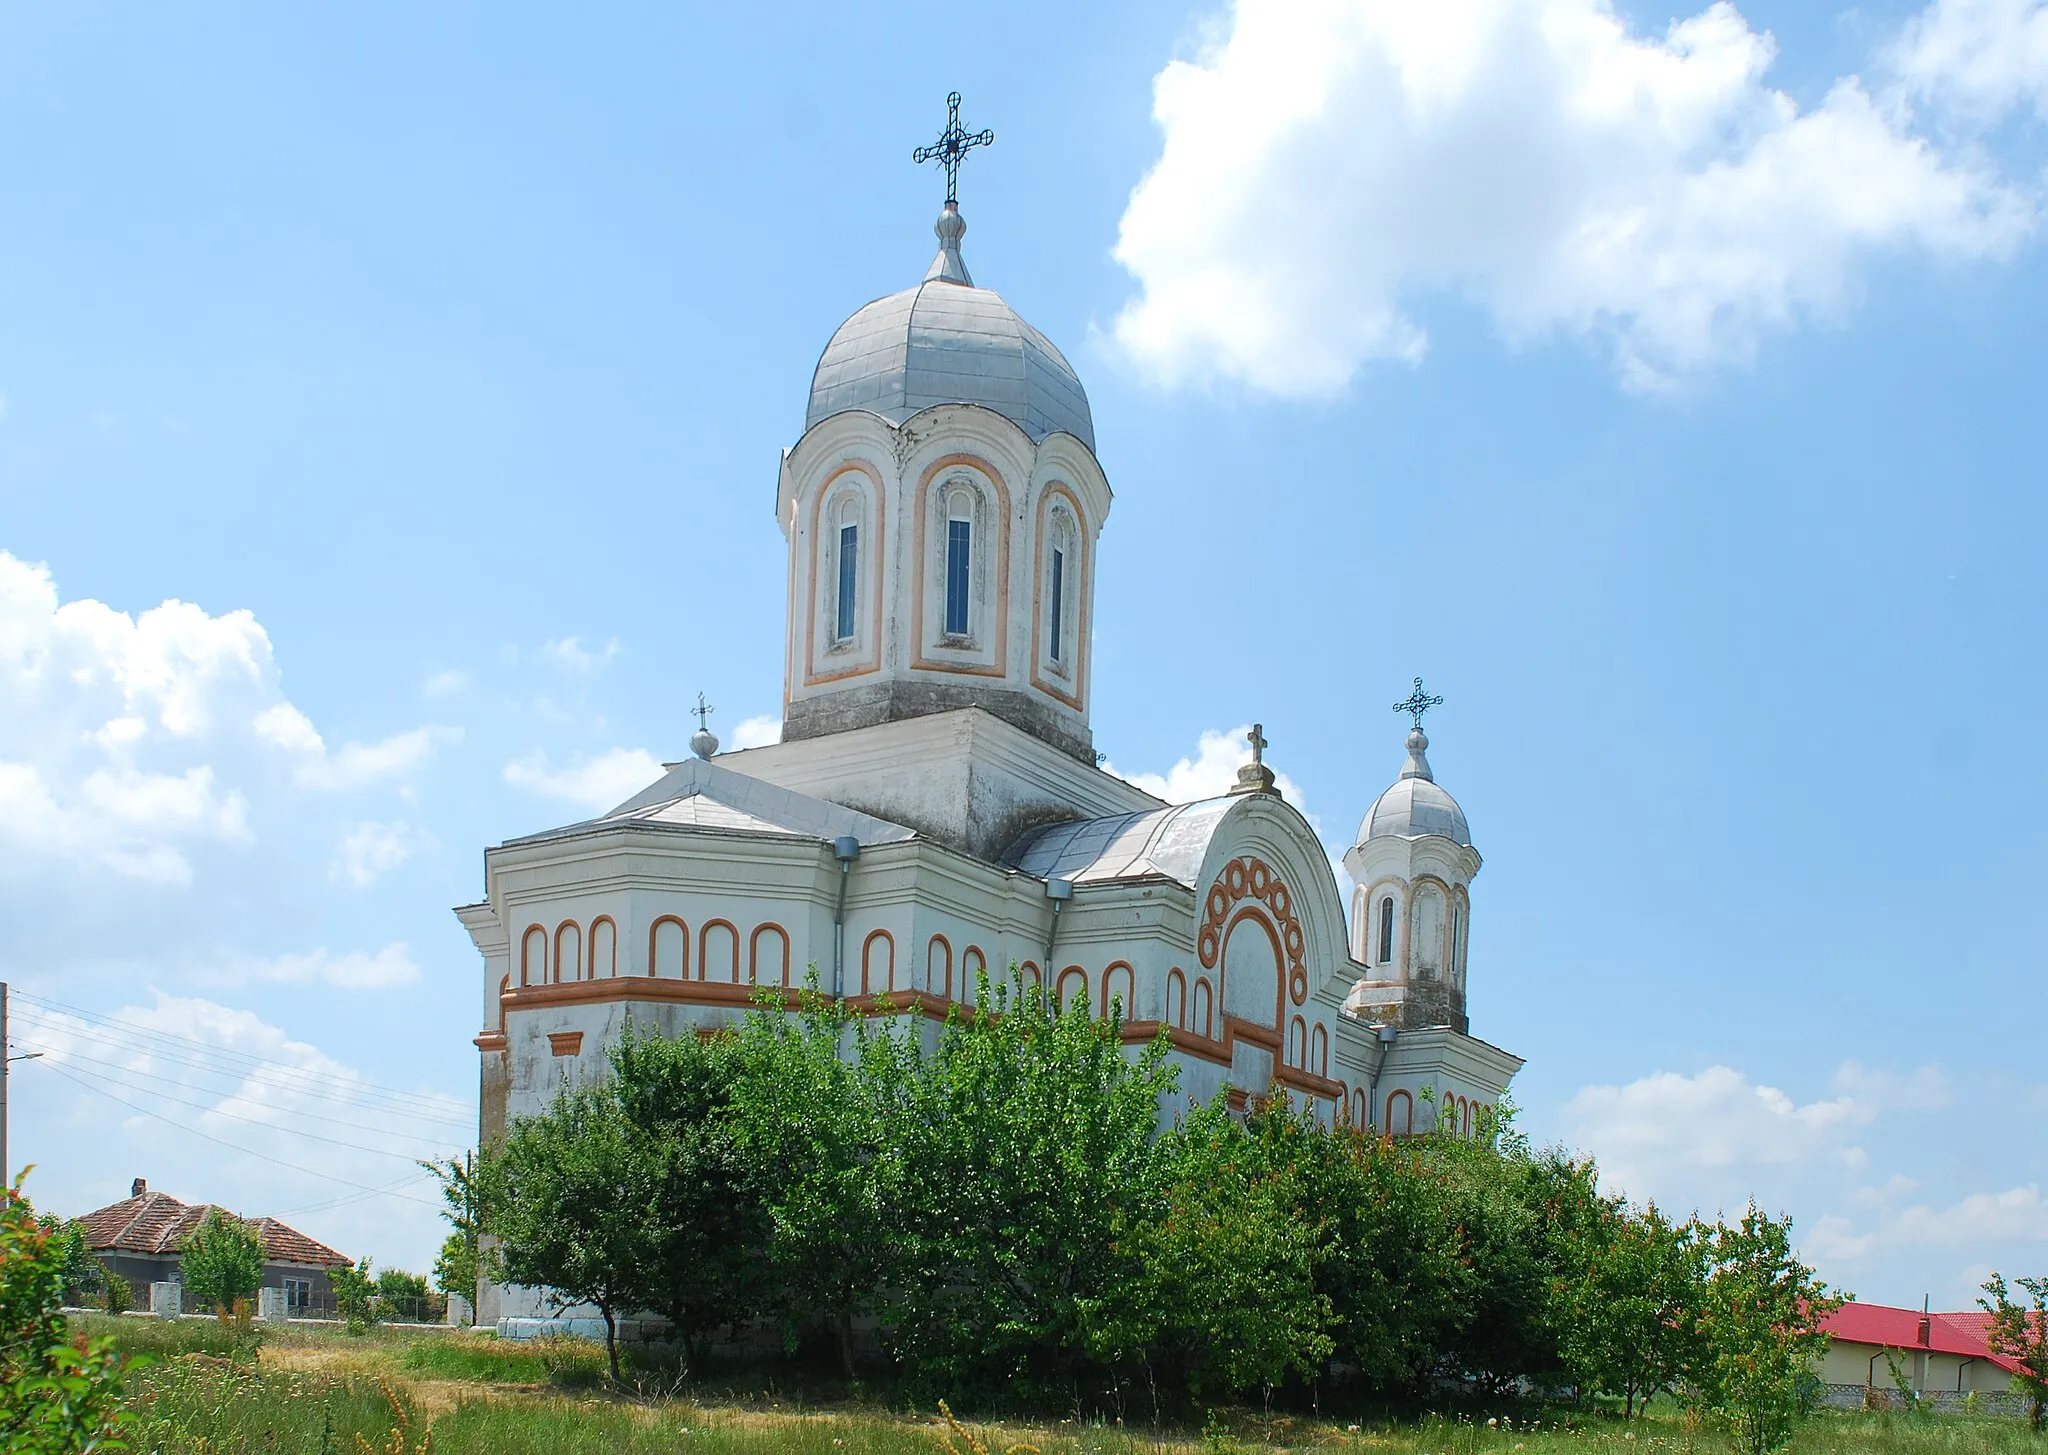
point(1885, 1354)
point(141, 1238)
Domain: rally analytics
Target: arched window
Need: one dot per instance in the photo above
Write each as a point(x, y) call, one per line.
point(959, 562)
point(938, 967)
point(1297, 1043)
point(604, 948)
point(569, 951)
point(1116, 991)
point(1251, 971)
point(848, 573)
point(1176, 999)
point(1426, 932)
point(1198, 1017)
point(668, 949)
point(1059, 593)
point(768, 955)
point(1062, 570)
point(1400, 1114)
point(533, 957)
point(718, 952)
point(1073, 988)
point(1386, 953)
point(1458, 945)
point(1319, 1051)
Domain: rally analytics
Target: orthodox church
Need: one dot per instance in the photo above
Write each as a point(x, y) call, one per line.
point(934, 810)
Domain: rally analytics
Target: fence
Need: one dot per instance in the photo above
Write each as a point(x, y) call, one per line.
point(1948, 1401)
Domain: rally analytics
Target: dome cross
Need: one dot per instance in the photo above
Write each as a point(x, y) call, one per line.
point(953, 144)
point(703, 709)
point(1417, 703)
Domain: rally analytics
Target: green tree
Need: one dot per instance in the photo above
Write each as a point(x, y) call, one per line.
point(814, 1127)
point(222, 1261)
point(56, 1397)
point(1629, 1313)
point(355, 1294)
point(1026, 1143)
point(1377, 1212)
point(1223, 1296)
point(1760, 1333)
point(576, 1206)
point(455, 1266)
point(402, 1295)
point(702, 1229)
point(84, 1275)
point(2020, 1332)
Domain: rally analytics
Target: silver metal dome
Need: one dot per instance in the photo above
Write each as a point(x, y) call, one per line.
point(1415, 807)
point(948, 342)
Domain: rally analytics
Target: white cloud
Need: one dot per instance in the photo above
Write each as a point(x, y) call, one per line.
point(368, 851)
point(1328, 163)
point(387, 969)
point(1705, 1137)
point(214, 1104)
point(1209, 772)
point(445, 684)
point(569, 652)
point(125, 740)
point(1972, 1223)
point(595, 783)
point(1982, 57)
point(757, 732)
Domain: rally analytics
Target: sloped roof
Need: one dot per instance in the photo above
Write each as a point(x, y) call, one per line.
point(1964, 1333)
point(699, 794)
point(156, 1223)
point(1165, 843)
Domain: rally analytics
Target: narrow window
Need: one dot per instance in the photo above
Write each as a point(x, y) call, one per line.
point(959, 557)
point(1059, 602)
point(849, 572)
point(1457, 960)
point(1386, 930)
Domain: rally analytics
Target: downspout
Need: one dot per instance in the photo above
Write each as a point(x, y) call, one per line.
point(1372, 1083)
point(845, 849)
point(1059, 891)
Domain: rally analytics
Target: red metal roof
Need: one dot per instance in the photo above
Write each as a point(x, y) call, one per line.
point(156, 1223)
point(1903, 1328)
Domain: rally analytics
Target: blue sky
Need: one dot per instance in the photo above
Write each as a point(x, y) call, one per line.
point(1667, 396)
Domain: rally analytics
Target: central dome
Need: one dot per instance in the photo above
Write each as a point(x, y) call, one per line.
point(948, 342)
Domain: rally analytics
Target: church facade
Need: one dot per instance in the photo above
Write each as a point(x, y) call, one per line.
point(934, 812)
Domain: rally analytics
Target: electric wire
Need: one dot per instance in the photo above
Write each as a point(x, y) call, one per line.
point(231, 1146)
point(71, 1054)
point(212, 1110)
point(184, 1047)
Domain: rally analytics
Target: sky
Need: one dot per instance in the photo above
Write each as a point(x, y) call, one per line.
point(390, 407)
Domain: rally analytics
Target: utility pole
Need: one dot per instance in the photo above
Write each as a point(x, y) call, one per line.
point(6, 1060)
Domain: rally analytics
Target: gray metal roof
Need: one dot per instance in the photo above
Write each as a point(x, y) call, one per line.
point(1415, 807)
point(948, 342)
point(1161, 843)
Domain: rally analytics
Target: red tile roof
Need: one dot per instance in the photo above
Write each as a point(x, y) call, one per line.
point(156, 1223)
point(1901, 1328)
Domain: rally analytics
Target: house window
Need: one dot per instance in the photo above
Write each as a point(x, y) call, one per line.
point(1059, 602)
point(298, 1294)
point(849, 578)
point(1386, 930)
point(959, 562)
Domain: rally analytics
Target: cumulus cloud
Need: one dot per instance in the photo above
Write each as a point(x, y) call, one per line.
point(1209, 772)
point(571, 654)
point(213, 1103)
point(757, 732)
point(368, 851)
point(595, 784)
point(1327, 165)
point(386, 969)
point(1969, 1224)
point(124, 740)
point(445, 684)
point(1981, 57)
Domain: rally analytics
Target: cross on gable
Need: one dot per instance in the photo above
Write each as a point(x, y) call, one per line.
point(1417, 704)
point(1257, 738)
point(953, 144)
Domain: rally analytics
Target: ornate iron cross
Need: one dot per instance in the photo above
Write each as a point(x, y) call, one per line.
point(953, 144)
point(703, 709)
point(1417, 704)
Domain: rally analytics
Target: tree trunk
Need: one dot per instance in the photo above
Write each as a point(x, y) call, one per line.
point(611, 1341)
point(845, 1332)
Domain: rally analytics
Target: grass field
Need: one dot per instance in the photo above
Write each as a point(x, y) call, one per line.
point(324, 1393)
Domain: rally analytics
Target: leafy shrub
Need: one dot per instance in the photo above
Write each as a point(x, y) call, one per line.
point(54, 1395)
point(222, 1261)
point(117, 1295)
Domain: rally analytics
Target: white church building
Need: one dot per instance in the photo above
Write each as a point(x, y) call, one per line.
point(934, 810)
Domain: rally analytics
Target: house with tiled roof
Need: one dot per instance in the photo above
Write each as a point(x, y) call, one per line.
point(1940, 1357)
point(141, 1238)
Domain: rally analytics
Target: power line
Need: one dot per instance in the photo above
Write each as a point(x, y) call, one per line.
point(181, 1048)
point(231, 1146)
point(71, 1054)
point(348, 1199)
point(252, 1121)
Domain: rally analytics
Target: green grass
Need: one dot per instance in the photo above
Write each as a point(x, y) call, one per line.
point(316, 1390)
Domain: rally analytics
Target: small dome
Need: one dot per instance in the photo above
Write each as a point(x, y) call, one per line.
point(948, 342)
point(1415, 807)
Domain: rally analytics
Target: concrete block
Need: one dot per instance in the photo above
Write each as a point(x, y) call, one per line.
point(272, 1305)
point(167, 1300)
point(460, 1314)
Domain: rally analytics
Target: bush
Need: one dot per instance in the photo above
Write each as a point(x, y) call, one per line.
point(222, 1261)
point(54, 1396)
point(117, 1296)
